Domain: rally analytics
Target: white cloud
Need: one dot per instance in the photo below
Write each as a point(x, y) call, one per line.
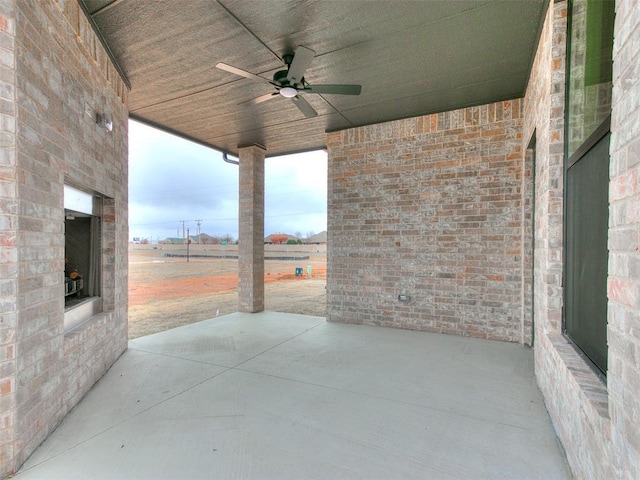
point(173, 180)
point(296, 193)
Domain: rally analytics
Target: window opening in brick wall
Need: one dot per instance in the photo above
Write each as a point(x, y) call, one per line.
point(589, 70)
point(83, 266)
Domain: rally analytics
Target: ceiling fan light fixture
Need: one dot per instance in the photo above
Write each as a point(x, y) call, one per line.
point(288, 92)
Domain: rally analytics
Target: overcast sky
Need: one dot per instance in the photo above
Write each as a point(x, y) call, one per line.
point(171, 180)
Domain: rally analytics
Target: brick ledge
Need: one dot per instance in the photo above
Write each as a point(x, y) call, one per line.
point(589, 383)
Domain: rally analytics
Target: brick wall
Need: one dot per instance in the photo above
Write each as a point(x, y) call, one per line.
point(433, 208)
point(544, 123)
point(52, 67)
point(624, 241)
point(575, 398)
point(8, 235)
point(595, 421)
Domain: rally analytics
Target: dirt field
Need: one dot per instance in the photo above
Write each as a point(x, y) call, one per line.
point(166, 292)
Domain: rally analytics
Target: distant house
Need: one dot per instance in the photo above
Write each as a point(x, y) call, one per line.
point(203, 238)
point(279, 238)
point(317, 239)
point(173, 241)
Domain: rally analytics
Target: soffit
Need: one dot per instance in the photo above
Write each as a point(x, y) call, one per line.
point(411, 58)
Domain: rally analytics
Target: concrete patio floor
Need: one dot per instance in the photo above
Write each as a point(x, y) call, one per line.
point(282, 396)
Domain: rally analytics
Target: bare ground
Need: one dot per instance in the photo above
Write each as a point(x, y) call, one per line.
point(167, 292)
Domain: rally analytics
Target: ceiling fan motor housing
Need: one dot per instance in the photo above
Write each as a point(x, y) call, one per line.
point(287, 58)
point(280, 77)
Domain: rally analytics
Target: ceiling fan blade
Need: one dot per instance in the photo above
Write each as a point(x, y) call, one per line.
point(333, 89)
point(304, 107)
point(301, 61)
point(260, 99)
point(242, 73)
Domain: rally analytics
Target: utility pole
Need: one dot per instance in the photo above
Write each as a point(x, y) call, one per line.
point(188, 245)
point(198, 222)
point(183, 228)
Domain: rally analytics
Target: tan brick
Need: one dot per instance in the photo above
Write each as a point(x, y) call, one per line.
point(38, 153)
point(251, 230)
point(417, 213)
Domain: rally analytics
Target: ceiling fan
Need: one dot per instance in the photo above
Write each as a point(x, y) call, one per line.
point(290, 83)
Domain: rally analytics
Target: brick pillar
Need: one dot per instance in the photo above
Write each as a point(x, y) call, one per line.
point(251, 231)
point(10, 279)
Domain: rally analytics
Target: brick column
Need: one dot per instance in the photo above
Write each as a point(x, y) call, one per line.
point(9, 230)
point(251, 231)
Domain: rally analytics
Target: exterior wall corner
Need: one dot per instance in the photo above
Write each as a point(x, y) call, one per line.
point(50, 141)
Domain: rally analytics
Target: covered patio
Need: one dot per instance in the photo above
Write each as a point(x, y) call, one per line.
point(484, 184)
point(274, 395)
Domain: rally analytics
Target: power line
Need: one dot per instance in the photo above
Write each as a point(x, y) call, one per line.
point(225, 219)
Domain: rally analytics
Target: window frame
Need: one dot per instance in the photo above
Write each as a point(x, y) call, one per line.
point(602, 130)
point(80, 202)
